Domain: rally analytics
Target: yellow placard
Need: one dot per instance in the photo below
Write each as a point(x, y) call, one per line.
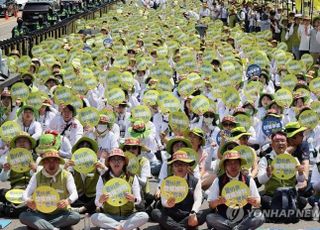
point(248, 154)
point(307, 59)
point(150, 97)
point(133, 166)
point(174, 187)
point(193, 155)
point(126, 80)
point(117, 188)
point(244, 120)
point(115, 96)
point(315, 85)
point(284, 166)
point(84, 160)
point(62, 94)
point(9, 130)
point(186, 87)
point(236, 193)
point(231, 97)
point(89, 116)
point(283, 97)
point(35, 99)
point(315, 106)
point(20, 90)
point(295, 66)
point(169, 103)
point(19, 159)
point(309, 119)
point(178, 122)
point(15, 196)
point(141, 112)
point(46, 199)
point(289, 82)
point(200, 104)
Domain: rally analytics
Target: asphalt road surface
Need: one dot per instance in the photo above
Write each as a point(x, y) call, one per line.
point(6, 27)
point(301, 225)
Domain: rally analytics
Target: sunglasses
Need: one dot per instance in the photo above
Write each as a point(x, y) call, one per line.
point(133, 147)
point(227, 124)
point(208, 115)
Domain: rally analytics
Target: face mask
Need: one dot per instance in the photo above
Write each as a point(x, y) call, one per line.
point(208, 121)
point(102, 128)
point(27, 81)
point(166, 117)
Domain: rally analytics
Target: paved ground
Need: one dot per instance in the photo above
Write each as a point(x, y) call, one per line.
point(6, 27)
point(305, 225)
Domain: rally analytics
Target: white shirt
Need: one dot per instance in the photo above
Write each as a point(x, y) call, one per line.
point(35, 129)
point(214, 189)
point(135, 190)
point(71, 187)
point(106, 142)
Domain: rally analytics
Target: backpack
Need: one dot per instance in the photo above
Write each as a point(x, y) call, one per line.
point(283, 202)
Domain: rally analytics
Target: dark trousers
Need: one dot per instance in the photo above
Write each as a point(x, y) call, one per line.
point(251, 221)
point(167, 222)
point(267, 200)
point(87, 202)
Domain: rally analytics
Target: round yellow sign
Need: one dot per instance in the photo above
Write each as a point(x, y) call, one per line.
point(141, 112)
point(9, 130)
point(236, 193)
point(174, 187)
point(115, 96)
point(84, 160)
point(19, 159)
point(309, 119)
point(200, 104)
point(283, 97)
point(248, 154)
point(284, 166)
point(150, 97)
point(20, 90)
point(117, 189)
point(178, 121)
point(15, 196)
point(46, 199)
point(89, 116)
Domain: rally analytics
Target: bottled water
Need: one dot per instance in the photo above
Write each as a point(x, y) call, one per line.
point(315, 212)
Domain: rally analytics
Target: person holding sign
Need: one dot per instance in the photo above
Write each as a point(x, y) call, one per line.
point(225, 198)
point(54, 176)
point(8, 110)
point(27, 120)
point(183, 214)
point(85, 181)
point(67, 125)
point(268, 176)
point(105, 138)
point(298, 148)
point(140, 165)
point(118, 215)
point(11, 171)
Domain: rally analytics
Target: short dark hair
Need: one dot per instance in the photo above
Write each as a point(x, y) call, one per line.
point(279, 132)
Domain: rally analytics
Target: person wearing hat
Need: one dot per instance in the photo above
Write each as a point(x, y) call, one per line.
point(51, 82)
point(8, 110)
point(67, 125)
point(304, 35)
point(134, 146)
point(51, 139)
point(46, 114)
point(27, 120)
point(85, 183)
point(265, 176)
point(185, 214)
point(62, 181)
point(231, 164)
point(17, 180)
point(28, 79)
point(298, 147)
point(122, 217)
point(103, 135)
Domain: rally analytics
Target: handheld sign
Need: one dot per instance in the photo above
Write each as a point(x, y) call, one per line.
point(178, 121)
point(271, 124)
point(115, 96)
point(117, 188)
point(46, 199)
point(89, 116)
point(284, 166)
point(20, 91)
point(253, 70)
point(15, 196)
point(174, 187)
point(19, 159)
point(309, 119)
point(150, 97)
point(192, 154)
point(283, 97)
point(236, 193)
point(248, 154)
point(133, 165)
point(200, 104)
point(84, 160)
point(141, 112)
point(9, 130)
point(227, 133)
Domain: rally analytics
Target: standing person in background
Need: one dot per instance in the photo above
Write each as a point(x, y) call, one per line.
point(19, 29)
point(315, 39)
point(292, 35)
point(304, 35)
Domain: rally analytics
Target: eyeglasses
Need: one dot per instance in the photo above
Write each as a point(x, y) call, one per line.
point(133, 147)
point(117, 159)
point(208, 115)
